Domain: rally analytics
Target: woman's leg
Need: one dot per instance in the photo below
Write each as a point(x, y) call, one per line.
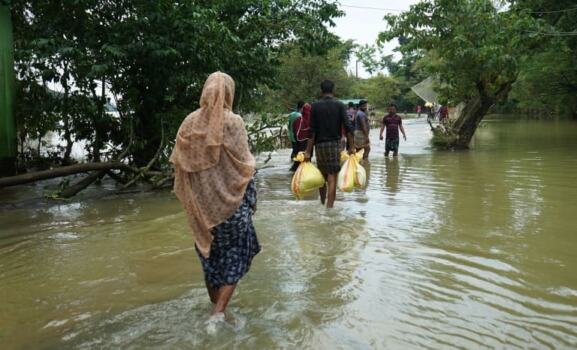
point(212, 292)
point(223, 298)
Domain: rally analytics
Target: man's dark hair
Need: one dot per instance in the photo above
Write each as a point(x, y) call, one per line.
point(351, 104)
point(362, 102)
point(392, 104)
point(300, 105)
point(327, 87)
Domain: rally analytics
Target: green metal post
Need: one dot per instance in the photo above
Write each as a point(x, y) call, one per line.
point(7, 128)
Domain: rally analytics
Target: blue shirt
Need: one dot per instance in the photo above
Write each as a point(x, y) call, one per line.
point(360, 117)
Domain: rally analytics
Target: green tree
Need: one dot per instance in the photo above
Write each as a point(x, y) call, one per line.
point(547, 83)
point(300, 74)
point(472, 46)
point(154, 57)
point(379, 90)
point(548, 79)
point(406, 72)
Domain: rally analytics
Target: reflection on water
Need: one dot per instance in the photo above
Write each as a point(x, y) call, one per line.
point(441, 250)
point(392, 171)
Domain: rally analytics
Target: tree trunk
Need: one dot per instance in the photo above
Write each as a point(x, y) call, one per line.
point(59, 172)
point(97, 122)
point(66, 115)
point(147, 122)
point(39, 146)
point(147, 132)
point(465, 126)
point(69, 143)
point(22, 138)
point(82, 184)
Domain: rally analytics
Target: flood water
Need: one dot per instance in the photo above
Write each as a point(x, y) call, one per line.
point(443, 250)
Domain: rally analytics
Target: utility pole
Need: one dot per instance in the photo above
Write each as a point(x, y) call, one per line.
point(7, 126)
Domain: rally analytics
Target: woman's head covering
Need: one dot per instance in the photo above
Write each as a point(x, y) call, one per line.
point(202, 136)
point(212, 160)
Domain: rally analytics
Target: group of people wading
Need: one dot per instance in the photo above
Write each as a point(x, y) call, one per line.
point(214, 172)
point(327, 127)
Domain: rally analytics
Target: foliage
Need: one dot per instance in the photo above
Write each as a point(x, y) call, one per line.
point(548, 83)
point(265, 132)
point(153, 57)
point(472, 46)
point(405, 72)
point(300, 75)
point(548, 79)
point(441, 138)
point(379, 90)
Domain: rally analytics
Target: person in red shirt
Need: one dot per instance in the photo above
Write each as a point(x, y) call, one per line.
point(444, 114)
point(393, 123)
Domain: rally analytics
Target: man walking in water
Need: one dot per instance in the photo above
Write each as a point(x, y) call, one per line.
point(393, 123)
point(361, 134)
point(292, 133)
point(328, 118)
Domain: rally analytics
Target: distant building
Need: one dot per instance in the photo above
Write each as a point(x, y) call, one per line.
point(354, 100)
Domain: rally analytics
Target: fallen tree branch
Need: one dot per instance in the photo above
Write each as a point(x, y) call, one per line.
point(96, 175)
point(60, 172)
point(70, 191)
point(269, 157)
point(144, 171)
point(163, 181)
point(115, 177)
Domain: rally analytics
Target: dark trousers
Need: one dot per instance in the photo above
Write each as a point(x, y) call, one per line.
point(299, 146)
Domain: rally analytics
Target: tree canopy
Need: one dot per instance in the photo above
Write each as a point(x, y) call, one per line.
point(473, 47)
point(153, 57)
point(548, 79)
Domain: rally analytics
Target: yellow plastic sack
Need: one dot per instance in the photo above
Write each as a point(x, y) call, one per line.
point(352, 175)
point(345, 155)
point(307, 178)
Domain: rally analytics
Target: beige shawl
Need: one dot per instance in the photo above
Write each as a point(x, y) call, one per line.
point(212, 160)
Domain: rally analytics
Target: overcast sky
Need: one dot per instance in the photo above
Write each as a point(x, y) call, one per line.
point(363, 24)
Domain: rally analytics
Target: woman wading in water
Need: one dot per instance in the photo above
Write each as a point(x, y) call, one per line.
point(214, 182)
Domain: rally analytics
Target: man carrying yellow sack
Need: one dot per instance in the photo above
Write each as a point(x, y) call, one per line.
point(307, 177)
point(328, 118)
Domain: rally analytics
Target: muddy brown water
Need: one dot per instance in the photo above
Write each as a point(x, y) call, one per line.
point(443, 250)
